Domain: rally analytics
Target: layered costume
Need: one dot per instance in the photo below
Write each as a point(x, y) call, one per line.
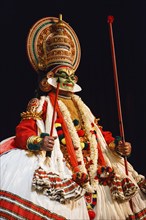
point(84, 176)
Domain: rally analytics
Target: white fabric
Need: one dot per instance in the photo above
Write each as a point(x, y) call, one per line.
point(16, 175)
point(17, 169)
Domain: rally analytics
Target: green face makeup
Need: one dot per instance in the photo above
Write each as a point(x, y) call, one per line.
point(67, 81)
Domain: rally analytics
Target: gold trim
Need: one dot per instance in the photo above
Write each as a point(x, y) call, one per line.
point(33, 140)
point(31, 115)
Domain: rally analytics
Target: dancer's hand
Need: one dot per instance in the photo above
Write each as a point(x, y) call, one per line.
point(48, 143)
point(124, 149)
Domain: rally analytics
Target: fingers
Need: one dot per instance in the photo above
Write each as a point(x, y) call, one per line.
point(124, 149)
point(48, 143)
point(127, 149)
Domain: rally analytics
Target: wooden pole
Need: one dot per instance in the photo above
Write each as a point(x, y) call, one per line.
point(121, 127)
point(48, 153)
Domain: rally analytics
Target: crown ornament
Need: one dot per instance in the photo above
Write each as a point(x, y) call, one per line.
point(52, 42)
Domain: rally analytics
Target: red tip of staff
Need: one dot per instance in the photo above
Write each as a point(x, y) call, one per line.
point(110, 19)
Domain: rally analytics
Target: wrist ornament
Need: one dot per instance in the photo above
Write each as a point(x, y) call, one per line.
point(114, 145)
point(34, 143)
point(42, 135)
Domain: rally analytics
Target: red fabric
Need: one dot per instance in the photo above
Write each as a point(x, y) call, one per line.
point(24, 130)
point(22, 208)
point(69, 144)
point(7, 145)
point(101, 160)
point(27, 128)
point(138, 215)
point(108, 136)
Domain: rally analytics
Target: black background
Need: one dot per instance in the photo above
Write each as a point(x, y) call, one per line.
point(95, 72)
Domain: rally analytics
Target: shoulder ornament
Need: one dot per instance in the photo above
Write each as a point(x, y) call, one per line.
point(31, 111)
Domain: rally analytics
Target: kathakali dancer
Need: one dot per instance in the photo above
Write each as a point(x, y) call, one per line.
point(82, 175)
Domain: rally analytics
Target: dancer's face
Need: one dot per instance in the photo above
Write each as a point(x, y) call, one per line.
point(67, 80)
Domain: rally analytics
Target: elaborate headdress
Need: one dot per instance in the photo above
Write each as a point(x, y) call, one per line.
point(51, 44)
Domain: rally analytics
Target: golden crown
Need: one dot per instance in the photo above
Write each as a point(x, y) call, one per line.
point(51, 41)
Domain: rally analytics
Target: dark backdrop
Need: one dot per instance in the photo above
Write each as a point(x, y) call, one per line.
point(95, 72)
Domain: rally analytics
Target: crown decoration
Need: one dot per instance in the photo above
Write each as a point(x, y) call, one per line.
point(51, 42)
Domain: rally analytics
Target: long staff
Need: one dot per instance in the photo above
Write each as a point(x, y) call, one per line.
point(48, 153)
point(121, 127)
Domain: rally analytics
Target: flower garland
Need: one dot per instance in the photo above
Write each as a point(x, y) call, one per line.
point(89, 130)
point(91, 200)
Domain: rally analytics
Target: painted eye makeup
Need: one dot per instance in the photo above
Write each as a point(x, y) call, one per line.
point(72, 77)
point(61, 74)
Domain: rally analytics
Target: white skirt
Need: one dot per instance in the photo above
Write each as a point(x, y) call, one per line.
point(16, 174)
